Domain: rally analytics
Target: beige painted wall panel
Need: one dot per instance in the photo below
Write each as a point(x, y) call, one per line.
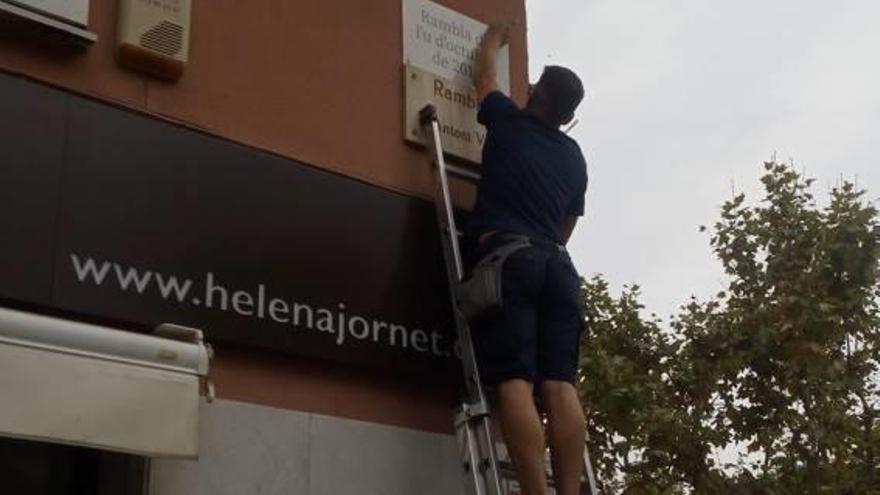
point(245, 450)
point(248, 449)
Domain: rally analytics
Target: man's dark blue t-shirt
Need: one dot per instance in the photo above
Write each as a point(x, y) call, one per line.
point(533, 176)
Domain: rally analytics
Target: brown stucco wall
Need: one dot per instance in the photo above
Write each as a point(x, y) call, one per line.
point(315, 80)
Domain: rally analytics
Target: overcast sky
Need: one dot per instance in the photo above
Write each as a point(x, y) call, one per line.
point(686, 99)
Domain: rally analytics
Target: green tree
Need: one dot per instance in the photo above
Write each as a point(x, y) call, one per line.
point(784, 364)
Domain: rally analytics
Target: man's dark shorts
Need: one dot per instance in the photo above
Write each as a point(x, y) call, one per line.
point(536, 334)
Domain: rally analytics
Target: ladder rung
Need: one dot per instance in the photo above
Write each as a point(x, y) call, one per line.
point(463, 173)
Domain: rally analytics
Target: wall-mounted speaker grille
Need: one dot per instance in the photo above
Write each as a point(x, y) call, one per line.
point(165, 38)
point(153, 38)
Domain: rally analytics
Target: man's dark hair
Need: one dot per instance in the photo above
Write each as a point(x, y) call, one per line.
point(561, 92)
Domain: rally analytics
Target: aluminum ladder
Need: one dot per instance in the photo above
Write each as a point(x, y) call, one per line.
point(483, 472)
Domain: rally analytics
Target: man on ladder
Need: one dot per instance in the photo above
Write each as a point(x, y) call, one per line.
point(532, 191)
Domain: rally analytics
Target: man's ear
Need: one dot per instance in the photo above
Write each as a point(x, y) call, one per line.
point(567, 118)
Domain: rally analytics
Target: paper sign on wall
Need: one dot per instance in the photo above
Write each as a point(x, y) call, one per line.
point(444, 42)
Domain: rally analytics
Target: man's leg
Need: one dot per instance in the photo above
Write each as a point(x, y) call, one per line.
point(565, 416)
point(523, 434)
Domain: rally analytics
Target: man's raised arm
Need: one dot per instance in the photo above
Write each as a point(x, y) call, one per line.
point(485, 70)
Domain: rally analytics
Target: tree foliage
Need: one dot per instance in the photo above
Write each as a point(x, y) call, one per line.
point(780, 371)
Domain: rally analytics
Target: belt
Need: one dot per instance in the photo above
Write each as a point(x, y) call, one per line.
point(534, 241)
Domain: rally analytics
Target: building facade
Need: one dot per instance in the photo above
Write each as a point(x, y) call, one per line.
point(262, 191)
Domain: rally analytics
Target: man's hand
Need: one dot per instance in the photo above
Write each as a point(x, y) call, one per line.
point(501, 30)
point(485, 71)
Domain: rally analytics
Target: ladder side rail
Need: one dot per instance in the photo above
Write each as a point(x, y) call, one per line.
point(482, 461)
point(588, 471)
point(447, 212)
point(490, 468)
point(454, 265)
point(481, 474)
point(464, 173)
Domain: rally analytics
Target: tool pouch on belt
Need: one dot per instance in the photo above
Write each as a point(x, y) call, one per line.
point(481, 292)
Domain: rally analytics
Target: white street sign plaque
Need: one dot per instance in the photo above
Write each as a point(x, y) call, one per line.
point(444, 42)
